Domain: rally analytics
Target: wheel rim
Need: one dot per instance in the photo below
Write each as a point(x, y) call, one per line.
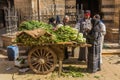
point(42, 60)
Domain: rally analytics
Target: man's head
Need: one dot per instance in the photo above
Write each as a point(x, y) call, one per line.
point(87, 14)
point(66, 19)
point(52, 20)
point(97, 16)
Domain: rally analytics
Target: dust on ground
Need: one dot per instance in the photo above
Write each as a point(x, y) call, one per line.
point(110, 71)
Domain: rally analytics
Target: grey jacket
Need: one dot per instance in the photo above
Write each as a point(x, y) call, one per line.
point(83, 25)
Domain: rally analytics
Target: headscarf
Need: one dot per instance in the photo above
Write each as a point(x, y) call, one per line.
point(97, 19)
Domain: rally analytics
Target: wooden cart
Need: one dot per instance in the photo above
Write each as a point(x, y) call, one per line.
point(42, 59)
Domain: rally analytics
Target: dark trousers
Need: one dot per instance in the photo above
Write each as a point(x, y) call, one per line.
point(83, 54)
point(65, 53)
point(93, 63)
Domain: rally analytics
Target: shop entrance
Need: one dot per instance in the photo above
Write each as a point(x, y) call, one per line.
point(92, 5)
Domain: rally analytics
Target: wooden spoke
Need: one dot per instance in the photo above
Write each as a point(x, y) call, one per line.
point(50, 56)
point(37, 66)
point(37, 52)
point(34, 59)
point(48, 66)
point(50, 60)
point(42, 60)
point(35, 55)
point(43, 54)
point(34, 63)
point(45, 67)
point(47, 54)
point(49, 63)
point(42, 68)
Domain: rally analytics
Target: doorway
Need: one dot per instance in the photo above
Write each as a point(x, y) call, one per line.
point(4, 4)
point(93, 5)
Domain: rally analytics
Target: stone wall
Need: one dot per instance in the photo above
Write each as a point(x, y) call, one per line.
point(47, 6)
point(107, 7)
point(110, 9)
point(22, 4)
point(117, 12)
point(117, 18)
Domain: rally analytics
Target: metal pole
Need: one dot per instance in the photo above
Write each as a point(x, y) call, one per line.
point(38, 7)
point(119, 28)
point(77, 9)
point(77, 13)
point(54, 7)
point(65, 8)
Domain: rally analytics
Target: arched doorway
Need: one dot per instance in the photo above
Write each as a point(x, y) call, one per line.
point(93, 5)
point(4, 4)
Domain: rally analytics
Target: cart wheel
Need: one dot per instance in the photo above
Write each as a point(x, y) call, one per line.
point(42, 60)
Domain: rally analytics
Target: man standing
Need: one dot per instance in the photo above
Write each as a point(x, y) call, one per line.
point(64, 23)
point(84, 25)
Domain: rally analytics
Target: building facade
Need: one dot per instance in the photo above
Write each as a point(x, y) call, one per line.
point(108, 9)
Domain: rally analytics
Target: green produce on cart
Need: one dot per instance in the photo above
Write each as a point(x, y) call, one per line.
point(36, 28)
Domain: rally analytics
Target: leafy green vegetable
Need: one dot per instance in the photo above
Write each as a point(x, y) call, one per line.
point(73, 71)
point(60, 34)
point(96, 77)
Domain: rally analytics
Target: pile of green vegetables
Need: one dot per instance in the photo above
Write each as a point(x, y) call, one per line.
point(58, 34)
point(73, 71)
point(28, 40)
point(31, 25)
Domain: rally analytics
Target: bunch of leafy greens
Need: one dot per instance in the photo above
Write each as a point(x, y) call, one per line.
point(31, 25)
point(73, 71)
point(60, 34)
